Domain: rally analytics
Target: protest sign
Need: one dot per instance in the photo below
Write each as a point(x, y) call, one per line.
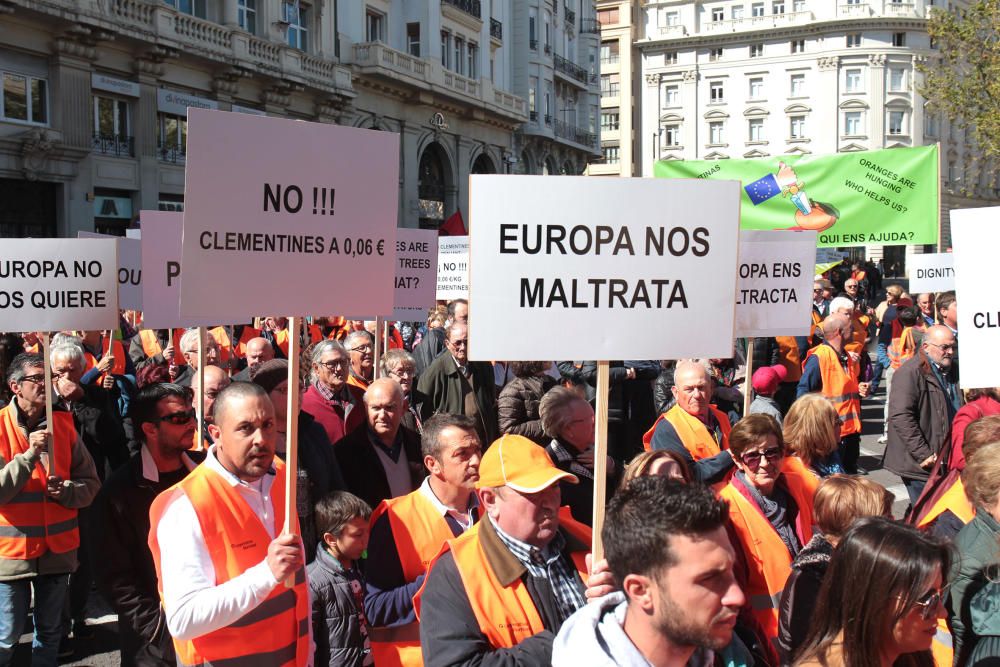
point(774, 292)
point(931, 272)
point(278, 210)
point(129, 269)
point(576, 279)
point(416, 272)
point(453, 268)
point(974, 237)
point(885, 197)
point(57, 284)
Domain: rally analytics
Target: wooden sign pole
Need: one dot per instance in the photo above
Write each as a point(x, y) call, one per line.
point(49, 391)
point(200, 405)
point(292, 437)
point(600, 458)
point(747, 384)
point(377, 344)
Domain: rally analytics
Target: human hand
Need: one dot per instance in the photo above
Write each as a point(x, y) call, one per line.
point(38, 442)
point(54, 487)
point(168, 354)
point(105, 364)
point(864, 388)
point(928, 462)
point(285, 555)
point(108, 382)
point(600, 582)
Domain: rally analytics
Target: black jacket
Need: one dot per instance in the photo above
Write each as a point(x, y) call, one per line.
point(319, 474)
point(337, 616)
point(428, 349)
point(517, 406)
point(362, 470)
point(798, 599)
point(96, 420)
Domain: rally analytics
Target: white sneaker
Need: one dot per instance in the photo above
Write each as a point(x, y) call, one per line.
point(882, 439)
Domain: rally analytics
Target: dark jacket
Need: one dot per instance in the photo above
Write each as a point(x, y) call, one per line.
point(975, 564)
point(362, 470)
point(123, 564)
point(449, 633)
point(319, 474)
point(663, 394)
point(517, 406)
point(919, 418)
point(578, 497)
point(442, 387)
point(339, 627)
point(798, 599)
point(96, 420)
point(580, 374)
point(428, 349)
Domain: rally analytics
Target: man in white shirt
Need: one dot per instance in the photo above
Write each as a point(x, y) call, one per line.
point(219, 556)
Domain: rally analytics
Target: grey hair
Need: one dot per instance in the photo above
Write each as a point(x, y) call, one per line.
point(319, 350)
point(393, 359)
point(553, 409)
point(19, 365)
point(67, 348)
point(189, 341)
point(352, 338)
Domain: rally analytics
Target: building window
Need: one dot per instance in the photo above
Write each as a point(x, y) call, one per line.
point(374, 26)
point(672, 135)
point(609, 85)
point(608, 16)
point(413, 39)
point(24, 98)
point(111, 126)
point(755, 129)
point(718, 14)
point(297, 17)
point(756, 88)
point(852, 123)
point(897, 80)
point(458, 53)
point(532, 92)
point(169, 202)
point(472, 60)
point(672, 96)
point(714, 54)
point(799, 5)
point(930, 126)
point(853, 40)
point(610, 154)
point(737, 12)
point(757, 9)
point(798, 46)
point(716, 133)
point(797, 127)
point(548, 33)
point(609, 53)
point(852, 80)
point(716, 92)
point(899, 39)
point(532, 31)
point(756, 50)
point(953, 176)
point(778, 7)
point(670, 58)
point(797, 85)
point(672, 18)
point(445, 49)
point(246, 12)
point(173, 137)
point(192, 7)
point(896, 121)
point(609, 121)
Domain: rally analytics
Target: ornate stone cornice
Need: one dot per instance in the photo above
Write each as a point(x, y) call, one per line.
point(828, 63)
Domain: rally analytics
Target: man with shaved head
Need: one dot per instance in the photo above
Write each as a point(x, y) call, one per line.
point(381, 458)
point(694, 428)
point(258, 351)
point(922, 405)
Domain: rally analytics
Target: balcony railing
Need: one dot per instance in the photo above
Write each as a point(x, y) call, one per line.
point(570, 15)
point(114, 144)
point(855, 10)
point(496, 29)
point(575, 134)
point(171, 153)
point(673, 30)
point(548, 119)
point(570, 68)
point(758, 22)
point(901, 9)
point(473, 7)
point(548, 49)
point(591, 26)
point(533, 115)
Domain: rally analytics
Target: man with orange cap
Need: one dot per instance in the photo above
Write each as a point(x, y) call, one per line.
point(499, 592)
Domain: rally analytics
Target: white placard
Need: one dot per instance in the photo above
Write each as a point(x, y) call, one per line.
point(601, 268)
point(114, 85)
point(129, 269)
point(453, 268)
point(58, 284)
point(171, 101)
point(161, 289)
point(291, 208)
point(974, 236)
point(416, 272)
point(932, 272)
point(774, 292)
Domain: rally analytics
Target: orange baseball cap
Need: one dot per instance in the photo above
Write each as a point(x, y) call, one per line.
point(519, 463)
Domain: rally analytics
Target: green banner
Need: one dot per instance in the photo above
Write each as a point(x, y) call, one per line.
point(884, 197)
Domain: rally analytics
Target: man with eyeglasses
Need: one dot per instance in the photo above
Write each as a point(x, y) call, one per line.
point(336, 405)
point(402, 367)
point(924, 399)
point(47, 476)
point(164, 424)
point(189, 350)
point(361, 345)
point(455, 385)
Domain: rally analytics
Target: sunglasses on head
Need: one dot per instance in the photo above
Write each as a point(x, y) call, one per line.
point(176, 418)
point(752, 459)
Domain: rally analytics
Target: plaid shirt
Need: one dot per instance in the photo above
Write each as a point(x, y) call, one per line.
point(549, 565)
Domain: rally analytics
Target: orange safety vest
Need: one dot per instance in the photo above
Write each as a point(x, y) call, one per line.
point(902, 348)
point(953, 499)
point(281, 337)
point(151, 346)
point(276, 632)
point(246, 336)
point(360, 383)
point(788, 351)
point(839, 387)
point(117, 367)
point(859, 336)
point(767, 557)
point(31, 523)
point(418, 532)
point(506, 614)
point(697, 440)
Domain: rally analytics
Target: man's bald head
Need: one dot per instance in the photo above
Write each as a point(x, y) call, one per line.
point(383, 389)
point(689, 368)
point(259, 350)
point(939, 345)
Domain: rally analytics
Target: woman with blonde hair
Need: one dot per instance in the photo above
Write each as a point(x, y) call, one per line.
point(811, 431)
point(657, 462)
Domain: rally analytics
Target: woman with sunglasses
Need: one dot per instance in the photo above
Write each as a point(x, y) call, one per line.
point(880, 600)
point(770, 514)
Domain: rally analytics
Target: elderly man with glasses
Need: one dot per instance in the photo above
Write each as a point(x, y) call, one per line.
point(336, 405)
point(361, 345)
point(923, 402)
point(47, 476)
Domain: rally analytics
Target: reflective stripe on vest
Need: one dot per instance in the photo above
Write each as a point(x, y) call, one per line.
point(768, 559)
point(840, 387)
point(30, 522)
point(276, 632)
point(696, 437)
point(955, 500)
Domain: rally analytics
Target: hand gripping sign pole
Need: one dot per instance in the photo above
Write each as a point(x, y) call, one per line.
point(600, 458)
point(292, 435)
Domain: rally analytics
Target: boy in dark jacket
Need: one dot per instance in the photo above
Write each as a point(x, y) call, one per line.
point(336, 584)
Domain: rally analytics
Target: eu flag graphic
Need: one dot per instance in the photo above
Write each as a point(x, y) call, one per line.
point(763, 189)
